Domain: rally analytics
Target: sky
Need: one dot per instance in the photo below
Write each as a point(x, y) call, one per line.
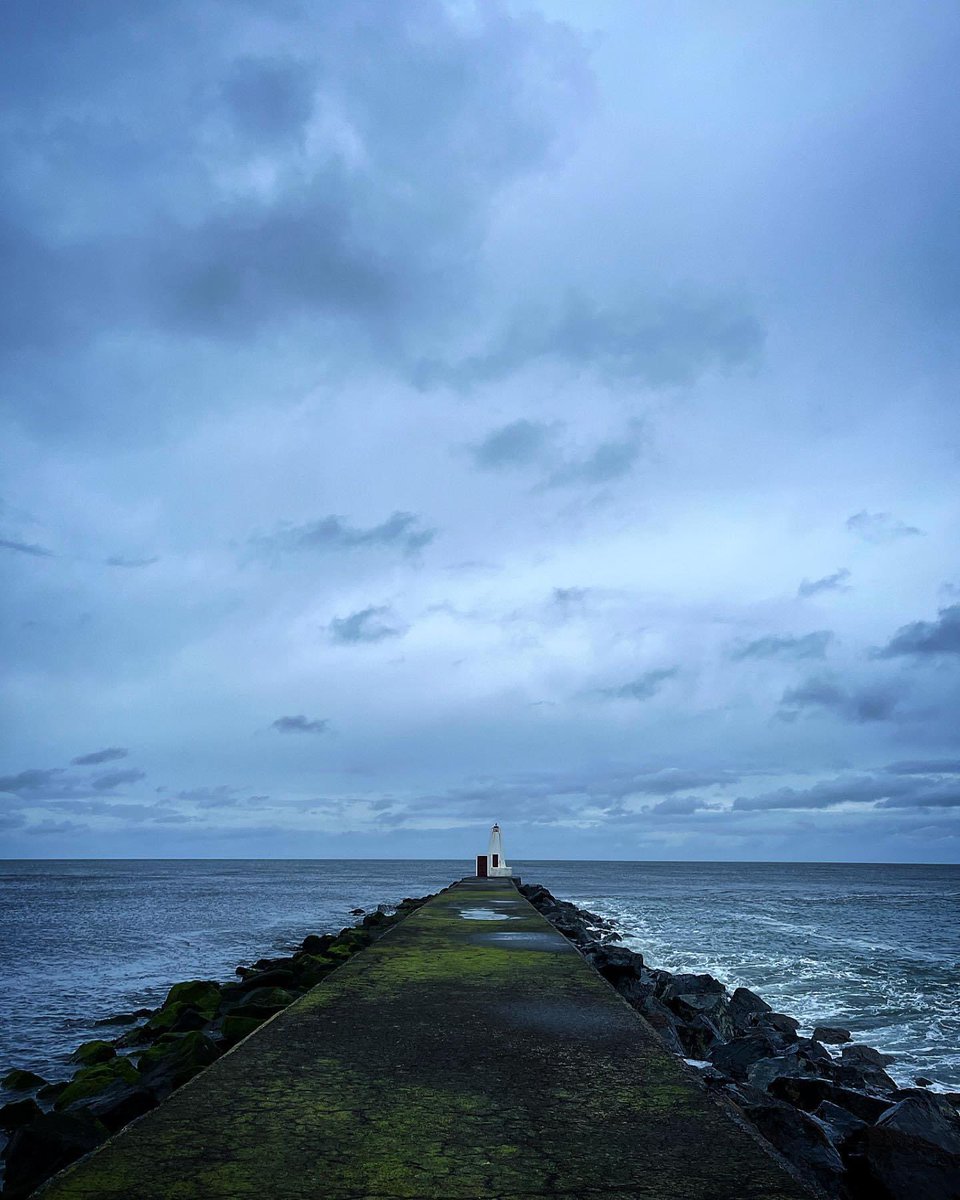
point(419, 415)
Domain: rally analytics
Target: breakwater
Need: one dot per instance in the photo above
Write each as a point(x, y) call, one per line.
point(694, 1016)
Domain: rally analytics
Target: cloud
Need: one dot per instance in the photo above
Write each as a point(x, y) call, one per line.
point(675, 806)
point(222, 796)
point(927, 637)
point(885, 791)
point(609, 461)
point(808, 645)
point(118, 560)
point(828, 583)
point(112, 779)
point(520, 444)
point(26, 548)
point(861, 704)
point(110, 754)
point(667, 340)
point(930, 766)
point(642, 688)
point(880, 527)
point(31, 780)
point(301, 724)
point(402, 531)
point(364, 626)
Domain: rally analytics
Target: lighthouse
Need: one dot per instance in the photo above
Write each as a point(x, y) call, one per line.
point(493, 863)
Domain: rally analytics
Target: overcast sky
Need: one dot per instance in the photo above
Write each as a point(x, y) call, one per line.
point(419, 415)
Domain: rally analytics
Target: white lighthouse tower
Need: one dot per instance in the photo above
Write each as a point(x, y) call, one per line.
point(493, 863)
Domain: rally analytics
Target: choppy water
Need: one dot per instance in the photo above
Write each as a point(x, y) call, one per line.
point(873, 948)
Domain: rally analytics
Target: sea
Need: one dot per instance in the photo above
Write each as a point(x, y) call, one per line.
point(872, 948)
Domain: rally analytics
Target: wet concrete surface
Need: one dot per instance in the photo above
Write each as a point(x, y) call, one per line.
point(453, 1059)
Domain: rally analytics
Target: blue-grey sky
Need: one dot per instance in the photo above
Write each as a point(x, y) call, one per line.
point(416, 415)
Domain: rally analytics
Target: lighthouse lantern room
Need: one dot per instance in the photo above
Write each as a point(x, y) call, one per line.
point(493, 863)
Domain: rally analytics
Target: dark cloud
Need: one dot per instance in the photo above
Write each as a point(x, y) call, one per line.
point(855, 789)
point(367, 625)
point(26, 548)
point(118, 560)
point(609, 461)
point(50, 827)
point(401, 531)
point(112, 779)
point(828, 583)
point(642, 688)
point(927, 637)
point(880, 527)
point(677, 806)
point(520, 444)
point(221, 796)
point(269, 100)
point(876, 702)
point(110, 754)
point(669, 340)
point(301, 724)
point(32, 780)
point(807, 645)
point(934, 766)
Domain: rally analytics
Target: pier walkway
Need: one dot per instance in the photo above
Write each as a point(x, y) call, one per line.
point(470, 1052)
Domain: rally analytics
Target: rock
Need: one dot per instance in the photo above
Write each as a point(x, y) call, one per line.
point(698, 1036)
point(781, 1066)
point(689, 986)
point(781, 1023)
point(841, 1124)
point(203, 995)
point(22, 1081)
point(926, 1116)
point(178, 1017)
point(923, 1081)
point(863, 1077)
point(663, 1021)
point(831, 1035)
point(271, 999)
point(48, 1144)
point(314, 944)
point(128, 1018)
point(801, 1140)
point(865, 1055)
point(236, 1028)
point(744, 1008)
point(808, 1094)
point(89, 1081)
point(118, 1104)
point(885, 1164)
point(174, 1059)
point(737, 1057)
point(17, 1113)
point(357, 912)
point(276, 978)
point(50, 1091)
point(374, 919)
point(91, 1053)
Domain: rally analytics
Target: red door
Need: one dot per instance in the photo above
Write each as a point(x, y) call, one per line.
point(482, 866)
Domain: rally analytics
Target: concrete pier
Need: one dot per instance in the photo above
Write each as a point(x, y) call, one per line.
point(470, 1052)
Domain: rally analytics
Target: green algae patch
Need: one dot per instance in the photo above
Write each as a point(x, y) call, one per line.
point(89, 1053)
point(90, 1081)
point(19, 1080)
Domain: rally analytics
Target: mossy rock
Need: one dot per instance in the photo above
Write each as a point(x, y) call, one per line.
point(273, 998)
point(22, 1081)
point(340, 951)
point(174, 1060)
point(315, 943)
point(201, 994)
point(357, 938)
point(90, 1081)
point(236, 1028)
point(179, 1017)
point(91, 1053)
point(17, 1113)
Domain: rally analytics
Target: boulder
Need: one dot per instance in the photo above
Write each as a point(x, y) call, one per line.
point(698, 1036)
point(663, 1021)
point(923, 1081)
point(885, 1164)
point(802, 1142)
point(50, 1091)
point(46, 1145)
point(275, 978)
point(90, 1081)
point(203, 995)
point(737, 1057)
point(840, 1123)
point(117, 1104)
point(357, 912)
point(174, 1059)
point(688, 987)
point(127, 1018)
point(808, 1094)
point(744, 1009)
point(17, 1113)
point(178, 1017)
point(926, 1116)
point(22, 1081)
point(268, 999)
point(315, 944)
point(787, 1065)
point(831, 1035)
point(235, 1028)
point(90, 1053)
point(781, 1023)
point(865, 1055)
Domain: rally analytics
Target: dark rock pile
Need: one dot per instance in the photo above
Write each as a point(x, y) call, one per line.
point(840, 1121)
point(52, 1124)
